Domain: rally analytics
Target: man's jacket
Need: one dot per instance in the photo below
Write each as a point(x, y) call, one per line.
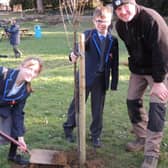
point(146, 39)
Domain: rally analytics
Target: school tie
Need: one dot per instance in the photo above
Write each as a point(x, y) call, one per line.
point(102, 46)
point(102, 38)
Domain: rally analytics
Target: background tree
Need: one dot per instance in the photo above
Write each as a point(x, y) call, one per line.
point(51, 3)
point(25, 4)
point(161, 6)
point(40, 7)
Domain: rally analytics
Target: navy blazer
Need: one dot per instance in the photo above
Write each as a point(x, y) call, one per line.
point(92, 58)
point(12, 105)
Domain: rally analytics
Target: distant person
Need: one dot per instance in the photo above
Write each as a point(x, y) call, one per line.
point(14, 36)
point(101, 60)
point(15, 87)
point(145, 35)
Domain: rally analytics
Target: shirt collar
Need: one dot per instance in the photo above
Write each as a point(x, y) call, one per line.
point(101, 34)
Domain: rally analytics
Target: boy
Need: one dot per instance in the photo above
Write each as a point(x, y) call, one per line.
point(101, 59)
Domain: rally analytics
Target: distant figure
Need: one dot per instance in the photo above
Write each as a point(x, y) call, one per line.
point(14, 36)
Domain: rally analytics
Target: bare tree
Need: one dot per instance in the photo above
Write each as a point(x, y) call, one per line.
point(40, 7)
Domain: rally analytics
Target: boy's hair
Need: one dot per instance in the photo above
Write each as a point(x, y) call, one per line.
point(101, 11)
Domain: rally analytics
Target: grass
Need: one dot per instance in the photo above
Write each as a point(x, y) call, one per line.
point(46, 108)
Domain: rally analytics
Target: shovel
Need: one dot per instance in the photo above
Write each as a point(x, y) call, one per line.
point(40, 156)
point(9, 138)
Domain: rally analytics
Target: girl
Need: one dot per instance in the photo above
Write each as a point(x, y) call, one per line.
point(15, 87)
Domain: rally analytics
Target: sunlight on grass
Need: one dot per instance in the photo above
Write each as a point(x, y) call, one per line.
point(57, 78)
point(53, 58)
point(124, 77)
point(58, 33)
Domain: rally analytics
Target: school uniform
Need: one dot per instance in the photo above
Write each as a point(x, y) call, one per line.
point(12, 102)
point(101, 60)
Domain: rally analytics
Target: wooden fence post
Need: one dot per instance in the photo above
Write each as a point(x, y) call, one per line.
point(82, 109)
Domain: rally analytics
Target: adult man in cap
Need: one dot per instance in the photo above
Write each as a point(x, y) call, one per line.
point(144, 33)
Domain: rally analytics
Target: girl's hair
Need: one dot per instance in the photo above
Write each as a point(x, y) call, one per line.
point(29, 62)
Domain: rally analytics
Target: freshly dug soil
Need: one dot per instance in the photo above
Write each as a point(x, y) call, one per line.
point(69, 159)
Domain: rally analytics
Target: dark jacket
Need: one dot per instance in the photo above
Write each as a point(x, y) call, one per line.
point(146, 39)
point(93, 54)
point(12, 105)
point(14, 34)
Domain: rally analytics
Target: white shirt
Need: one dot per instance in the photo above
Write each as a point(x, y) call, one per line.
point(15, 89)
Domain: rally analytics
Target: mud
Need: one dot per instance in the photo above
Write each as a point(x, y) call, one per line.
point(70, 159)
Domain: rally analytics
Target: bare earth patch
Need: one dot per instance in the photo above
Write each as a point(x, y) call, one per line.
point(69, 159)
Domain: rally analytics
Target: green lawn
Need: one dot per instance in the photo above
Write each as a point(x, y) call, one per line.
point(46, 108)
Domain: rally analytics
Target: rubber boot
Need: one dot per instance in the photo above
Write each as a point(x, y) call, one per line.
point(150, 162)
point(136, 145)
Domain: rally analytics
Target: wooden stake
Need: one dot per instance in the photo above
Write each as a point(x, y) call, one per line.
point(82, 109)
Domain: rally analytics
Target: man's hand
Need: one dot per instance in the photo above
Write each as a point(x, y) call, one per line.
point(160, 90)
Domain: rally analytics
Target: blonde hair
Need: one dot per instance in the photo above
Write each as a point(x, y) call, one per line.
point(101, 11)
point(29, 62)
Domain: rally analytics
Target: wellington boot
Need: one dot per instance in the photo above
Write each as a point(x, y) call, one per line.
point(136, 145)
point(150, 162)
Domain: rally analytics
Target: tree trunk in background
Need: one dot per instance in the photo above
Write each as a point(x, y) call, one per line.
point(40, 8)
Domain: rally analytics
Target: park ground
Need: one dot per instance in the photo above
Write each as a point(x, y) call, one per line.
point(47, 107)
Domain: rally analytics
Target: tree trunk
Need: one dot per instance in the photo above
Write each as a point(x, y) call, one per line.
point(40, 8)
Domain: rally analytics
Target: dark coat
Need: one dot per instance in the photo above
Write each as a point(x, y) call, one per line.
point(14, 34)
point(147, 43)
point(93, 54)
point(12, 105)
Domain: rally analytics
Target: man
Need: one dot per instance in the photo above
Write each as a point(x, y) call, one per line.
point(144, 33)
